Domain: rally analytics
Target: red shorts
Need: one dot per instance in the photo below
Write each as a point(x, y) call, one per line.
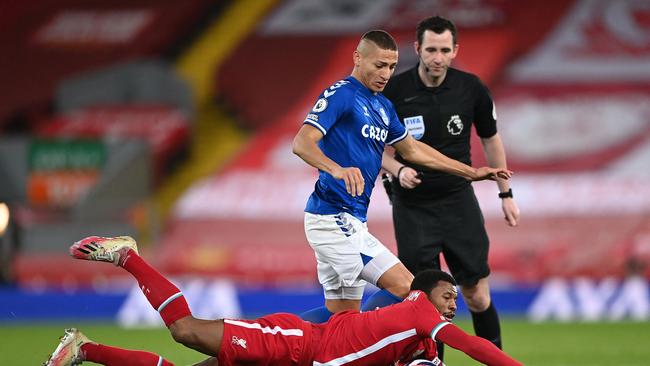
point(277, 339)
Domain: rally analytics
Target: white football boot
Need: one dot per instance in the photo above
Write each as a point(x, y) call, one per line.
point(68, 352)
point(97, 248)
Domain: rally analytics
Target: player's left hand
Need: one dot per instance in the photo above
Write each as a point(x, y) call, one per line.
point(510, 211)
point(408, 178)
point(485, 172)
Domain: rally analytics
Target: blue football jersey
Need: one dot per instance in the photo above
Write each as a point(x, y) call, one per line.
point(356, 125)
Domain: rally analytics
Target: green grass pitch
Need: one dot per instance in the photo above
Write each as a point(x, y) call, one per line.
point(544, 344)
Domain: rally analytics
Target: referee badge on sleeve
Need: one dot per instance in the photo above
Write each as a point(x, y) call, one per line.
point(415, 126)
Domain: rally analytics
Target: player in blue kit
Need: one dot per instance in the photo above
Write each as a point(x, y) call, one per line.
point(344, 136)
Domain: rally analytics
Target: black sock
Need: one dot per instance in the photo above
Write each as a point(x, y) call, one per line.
point(486, 325)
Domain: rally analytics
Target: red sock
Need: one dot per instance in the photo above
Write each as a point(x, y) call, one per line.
point(166, 298)
point(113, 356)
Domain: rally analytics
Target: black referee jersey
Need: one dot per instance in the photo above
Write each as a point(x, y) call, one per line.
point(442, 118)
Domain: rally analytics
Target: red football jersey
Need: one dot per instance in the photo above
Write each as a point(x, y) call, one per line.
point(381, 337)
point(276, 339)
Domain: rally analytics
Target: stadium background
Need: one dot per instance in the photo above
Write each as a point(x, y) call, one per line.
point(171, 122)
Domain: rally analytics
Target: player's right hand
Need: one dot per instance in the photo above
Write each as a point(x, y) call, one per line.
point(353, 179)
point(483, 173)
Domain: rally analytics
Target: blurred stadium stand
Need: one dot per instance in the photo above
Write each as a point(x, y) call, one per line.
point(571, 80)
point(132, 82)
point(75, 36)
point(94, 119)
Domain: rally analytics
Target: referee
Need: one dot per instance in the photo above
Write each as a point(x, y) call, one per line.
point(435, 212)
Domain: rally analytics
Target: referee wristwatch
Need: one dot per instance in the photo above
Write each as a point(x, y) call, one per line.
point(507, 194)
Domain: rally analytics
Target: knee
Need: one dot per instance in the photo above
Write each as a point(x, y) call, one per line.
point(477, 297)
point(396, 280)
point(477, 301)
point(401, 289)
point(405, 288)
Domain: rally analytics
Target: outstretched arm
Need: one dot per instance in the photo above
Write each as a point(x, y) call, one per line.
point(423, 154)
point(305, 145)
point(496, 158)
point(476, 347)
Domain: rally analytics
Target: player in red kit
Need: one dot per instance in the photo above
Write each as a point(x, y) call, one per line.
point(404, 331)
point(395, 334)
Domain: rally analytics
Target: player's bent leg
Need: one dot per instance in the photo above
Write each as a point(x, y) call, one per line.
point(383, 269)
point(397, 280)
point(122, 251)
point(202, 335)
point(395, 284)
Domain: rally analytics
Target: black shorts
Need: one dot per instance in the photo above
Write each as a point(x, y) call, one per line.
point(453, 225)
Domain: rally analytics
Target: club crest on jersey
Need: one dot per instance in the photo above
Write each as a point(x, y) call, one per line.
point(239, 342)
point(413, 296)
point(455, 125)
point(415, 126)
point(320, 105)
point(384, 116)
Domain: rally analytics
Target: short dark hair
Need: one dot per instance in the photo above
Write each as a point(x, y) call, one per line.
point(428, 279)
point(436, 24)
point(380, 38)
